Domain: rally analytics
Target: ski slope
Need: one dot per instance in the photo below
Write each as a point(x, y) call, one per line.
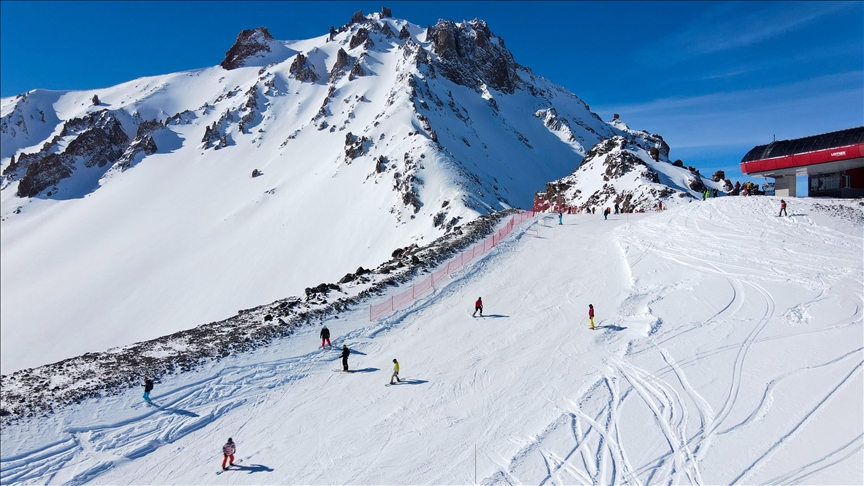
point(729, 349)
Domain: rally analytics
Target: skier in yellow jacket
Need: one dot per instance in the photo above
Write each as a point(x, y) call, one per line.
point(395, 371)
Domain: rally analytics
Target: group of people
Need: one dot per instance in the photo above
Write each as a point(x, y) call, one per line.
point(230, 448)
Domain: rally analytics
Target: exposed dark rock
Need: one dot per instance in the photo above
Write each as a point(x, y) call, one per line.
point(654, 152)
point(386, 13)
point(301, 71)
point(387, 31)
point(342, 60)
point(95, 99)
point(678, 163)
point(331, 34)
point(249, 43)
point(356, 71)
point(97, 139)
point(718, 176)
point(354, 146)
point(403, 33)
point(357, 18)
point(470, 55)
point(359, 38)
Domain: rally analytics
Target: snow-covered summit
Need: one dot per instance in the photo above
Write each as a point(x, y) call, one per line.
point(169, 201)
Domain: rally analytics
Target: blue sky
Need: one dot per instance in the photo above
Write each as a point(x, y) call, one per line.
point(713, 78)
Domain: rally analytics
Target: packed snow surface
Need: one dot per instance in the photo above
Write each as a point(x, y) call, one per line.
point(728, 349)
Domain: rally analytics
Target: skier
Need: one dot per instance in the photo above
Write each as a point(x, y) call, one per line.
point(228, 451)
point(616, 208)
point(782, 208)
point(148, 387)
point(325, 336)
point(591, 315)
point(560, 218)
point(478, 306)
point(395, 372)
point(605, 213)
point(345, 353)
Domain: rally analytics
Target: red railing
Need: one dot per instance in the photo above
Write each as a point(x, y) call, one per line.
point(399, 300)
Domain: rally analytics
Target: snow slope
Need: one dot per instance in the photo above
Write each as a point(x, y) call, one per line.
point(130, 212)
point(729, 349)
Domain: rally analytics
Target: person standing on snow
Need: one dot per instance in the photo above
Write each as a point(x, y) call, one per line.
point(616, 208)
point(395, 371)
point(228, 451)
point(345, 353)
point(782, 208)
point(325, 336)
point(591, 315)
point(560, 218)
point(605, 213)
point(478, 306)
point(148, 387)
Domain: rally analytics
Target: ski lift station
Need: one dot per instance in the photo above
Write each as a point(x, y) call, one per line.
point(833, 163)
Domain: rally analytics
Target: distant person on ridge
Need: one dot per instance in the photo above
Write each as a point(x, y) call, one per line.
point(395, 372)
point(782, 208)
point(228, 451)
point(345, 353)
point(325, 336)
point(148, 387)
point(591, 315)
point(478, 306)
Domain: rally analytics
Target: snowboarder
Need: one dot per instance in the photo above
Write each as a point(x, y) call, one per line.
point(148, 387)
point(325, 336)
point(782, 208)
point(478, 306)
point(591, 315)
point(345, 353)
point(560, 218)
point(395, 371)
point(228, 451)
point(616, 208)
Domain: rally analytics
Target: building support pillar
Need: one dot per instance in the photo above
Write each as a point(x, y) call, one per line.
point(784, 186)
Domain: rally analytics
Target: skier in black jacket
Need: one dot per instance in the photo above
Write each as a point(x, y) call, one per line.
point(345, 353)
point(325, 336)
point(148, 387)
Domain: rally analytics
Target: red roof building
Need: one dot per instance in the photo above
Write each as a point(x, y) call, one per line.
point(833, 163)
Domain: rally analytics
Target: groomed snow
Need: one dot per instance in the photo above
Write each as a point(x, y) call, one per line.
point(729, 349)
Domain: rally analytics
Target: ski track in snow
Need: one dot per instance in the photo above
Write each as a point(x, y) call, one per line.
point(655, 399)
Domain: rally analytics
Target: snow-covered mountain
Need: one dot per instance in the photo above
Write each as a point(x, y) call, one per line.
point(633, 172)
point(137, 210)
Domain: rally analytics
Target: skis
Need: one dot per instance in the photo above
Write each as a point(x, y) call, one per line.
point(342, 371)
point(229, 467)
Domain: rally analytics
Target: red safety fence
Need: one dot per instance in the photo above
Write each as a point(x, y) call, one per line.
point(399, 300)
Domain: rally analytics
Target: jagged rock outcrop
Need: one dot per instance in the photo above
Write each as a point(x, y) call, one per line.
point(361, 37)
point(142, 143)
point(96, 139)
point(249, 43)
point(470, 55)
point(301, 71)
point(404, 34)
point(338, 69)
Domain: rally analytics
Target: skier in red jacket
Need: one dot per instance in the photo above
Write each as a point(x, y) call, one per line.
point(478, 306)
point(591, 315)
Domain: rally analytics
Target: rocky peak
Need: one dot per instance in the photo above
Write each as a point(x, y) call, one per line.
point(470, 55)
point(249, 43)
